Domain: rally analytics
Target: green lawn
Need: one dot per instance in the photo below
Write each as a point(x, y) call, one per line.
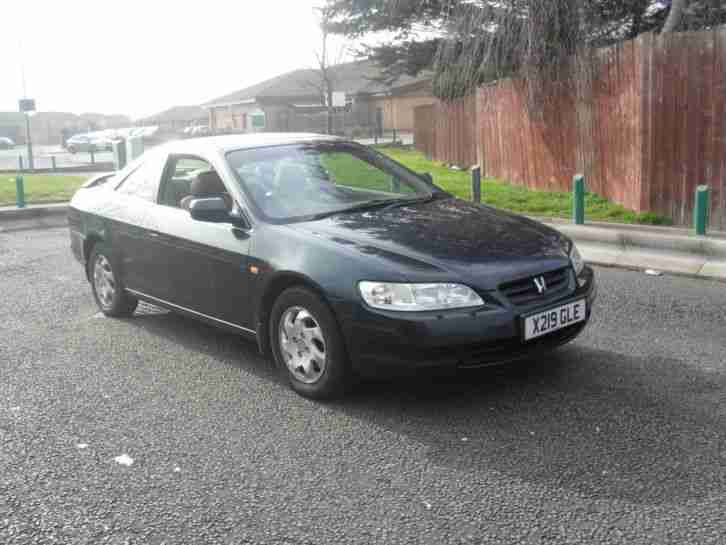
point(53, 188)
point(40, 188)
point(518, 198)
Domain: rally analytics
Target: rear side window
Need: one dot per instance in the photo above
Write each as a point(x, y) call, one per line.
point(144, 181)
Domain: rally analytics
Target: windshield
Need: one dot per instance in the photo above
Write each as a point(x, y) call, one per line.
point(304, 181)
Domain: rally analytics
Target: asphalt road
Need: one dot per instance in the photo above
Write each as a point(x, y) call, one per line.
point(618, 438)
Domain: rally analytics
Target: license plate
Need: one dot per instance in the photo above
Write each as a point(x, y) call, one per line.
point(549, 321)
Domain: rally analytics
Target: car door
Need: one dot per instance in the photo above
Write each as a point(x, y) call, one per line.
point(207, 261)
point(134, 223)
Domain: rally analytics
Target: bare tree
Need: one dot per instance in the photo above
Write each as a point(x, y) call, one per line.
point(324, 79)
point(675, 16)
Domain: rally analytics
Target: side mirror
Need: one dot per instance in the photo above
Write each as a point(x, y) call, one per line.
point(427, 177)
point(212, 209)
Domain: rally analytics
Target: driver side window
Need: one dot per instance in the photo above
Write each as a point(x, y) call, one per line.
point(178, 179)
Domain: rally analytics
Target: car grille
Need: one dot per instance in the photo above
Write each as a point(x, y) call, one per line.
point(524, 292)
point(512, 349)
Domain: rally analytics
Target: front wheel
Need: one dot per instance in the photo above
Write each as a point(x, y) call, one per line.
point(307, 344)
point(108, 290)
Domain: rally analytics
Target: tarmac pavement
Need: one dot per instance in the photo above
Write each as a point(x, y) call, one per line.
point(157, 429)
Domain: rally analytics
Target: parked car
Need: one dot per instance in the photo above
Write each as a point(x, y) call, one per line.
point(6, 143)
point(197, 130)
point(86, 142)
point(337, 260)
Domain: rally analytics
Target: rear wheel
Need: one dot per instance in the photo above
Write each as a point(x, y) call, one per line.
point(307, 344)
point(108, 290)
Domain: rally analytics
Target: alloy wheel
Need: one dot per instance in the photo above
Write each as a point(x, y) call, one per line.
point(104, 281)
point(302, 344)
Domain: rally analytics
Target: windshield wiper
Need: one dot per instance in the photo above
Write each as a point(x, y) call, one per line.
point(367, 205)
point(396, 203)
point(358, 207)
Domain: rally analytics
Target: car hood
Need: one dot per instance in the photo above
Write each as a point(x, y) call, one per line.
point(479, 244)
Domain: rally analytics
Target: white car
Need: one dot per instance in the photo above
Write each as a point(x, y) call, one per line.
point(88, 142)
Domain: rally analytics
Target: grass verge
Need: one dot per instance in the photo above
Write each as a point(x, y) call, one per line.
point(517, 198)
point(40, 188)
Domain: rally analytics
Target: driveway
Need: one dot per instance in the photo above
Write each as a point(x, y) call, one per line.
point(159, 430)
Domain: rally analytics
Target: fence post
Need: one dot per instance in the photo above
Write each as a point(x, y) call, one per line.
point(134, 147)
point(119, 154)
point(19, 192)
point(20, 163)
point(93, 156)
point(578, 200)
point(476, 184)
point(700, 213)
point(52, 162)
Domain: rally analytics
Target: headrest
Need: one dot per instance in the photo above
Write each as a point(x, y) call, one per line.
point(207, 183)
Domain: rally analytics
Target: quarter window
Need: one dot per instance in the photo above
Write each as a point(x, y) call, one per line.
point(144, 181)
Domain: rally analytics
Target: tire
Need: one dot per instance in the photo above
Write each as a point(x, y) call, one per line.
point(318, 334)
point(108, 290)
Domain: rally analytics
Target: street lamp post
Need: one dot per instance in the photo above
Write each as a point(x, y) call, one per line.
point(26, 106)
point(28, 142)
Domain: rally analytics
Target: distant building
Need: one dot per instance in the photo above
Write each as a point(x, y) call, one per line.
point(49, 128)
point(294, 102)
point(175, 119)
point(101, 122)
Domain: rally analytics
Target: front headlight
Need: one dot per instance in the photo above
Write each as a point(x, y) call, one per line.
point(577, 262)
point(418, 297)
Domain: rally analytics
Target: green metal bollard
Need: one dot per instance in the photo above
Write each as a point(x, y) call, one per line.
point(395, 184)
point(476, 184)
point(578, 200)
point(19, 192)
point(700, 212)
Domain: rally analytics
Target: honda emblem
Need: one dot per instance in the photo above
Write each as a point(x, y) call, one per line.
point(540, 284)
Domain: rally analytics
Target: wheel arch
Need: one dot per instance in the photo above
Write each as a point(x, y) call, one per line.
point(273, 288)
point(90, 241)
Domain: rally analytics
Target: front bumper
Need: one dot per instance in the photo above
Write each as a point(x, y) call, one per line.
point(386, 343)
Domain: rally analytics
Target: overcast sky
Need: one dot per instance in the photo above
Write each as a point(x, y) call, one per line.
point(140, 57)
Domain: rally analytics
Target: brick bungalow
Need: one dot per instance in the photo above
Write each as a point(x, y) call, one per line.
point(175, 119)
point(293, 102)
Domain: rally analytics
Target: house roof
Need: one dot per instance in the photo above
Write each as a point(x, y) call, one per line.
point(178, 113)
point(352, 78)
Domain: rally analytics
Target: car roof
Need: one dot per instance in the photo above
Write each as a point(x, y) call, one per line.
point(232, 142)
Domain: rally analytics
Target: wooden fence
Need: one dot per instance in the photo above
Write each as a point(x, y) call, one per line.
point(446, 131)
point(646, 130)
